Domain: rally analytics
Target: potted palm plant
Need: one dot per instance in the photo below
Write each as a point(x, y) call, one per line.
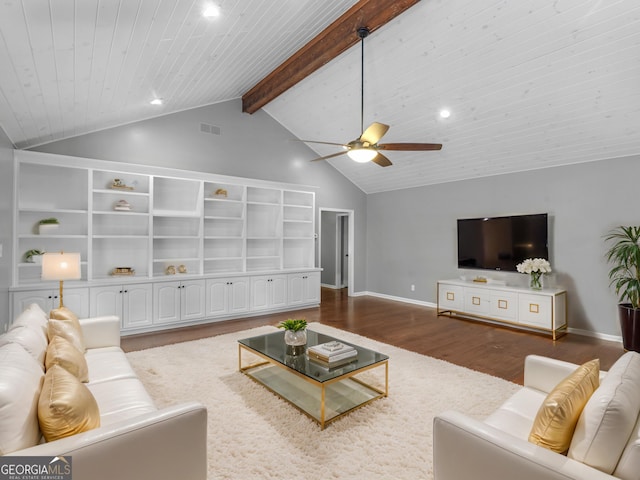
point(624, 254)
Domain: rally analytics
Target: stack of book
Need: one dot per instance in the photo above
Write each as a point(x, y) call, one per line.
point(332, 354)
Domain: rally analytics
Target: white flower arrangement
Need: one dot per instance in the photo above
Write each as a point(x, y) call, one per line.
point(534, 265)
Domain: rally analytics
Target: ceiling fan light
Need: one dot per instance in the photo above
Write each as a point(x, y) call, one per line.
point(362, 155)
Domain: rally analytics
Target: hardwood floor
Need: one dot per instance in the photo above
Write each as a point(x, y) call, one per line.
point(495, 350)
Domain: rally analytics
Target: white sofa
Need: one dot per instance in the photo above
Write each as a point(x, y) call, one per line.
point(604, 445)
point(135, 440)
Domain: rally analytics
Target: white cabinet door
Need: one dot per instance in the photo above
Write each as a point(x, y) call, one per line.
point(268, 291)
point(477, 301)
point(217, 296)
point(132, 303)
point(304, 288)
point(137, 307)
point(312, 288)
point(450, 297)
point(238, 295)
point(166, 302)
point(192, 300)
point(75, 299)
point(260, 291)
point(106, 300)
point(534, 310)
point(227, 295)
point(278, 291)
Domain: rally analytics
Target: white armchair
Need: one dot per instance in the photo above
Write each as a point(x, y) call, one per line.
point(498, 447)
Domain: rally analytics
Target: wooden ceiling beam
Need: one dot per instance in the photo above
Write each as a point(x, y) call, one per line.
point(331, 42)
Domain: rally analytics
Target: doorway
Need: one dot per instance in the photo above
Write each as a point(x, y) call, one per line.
point(336, 248)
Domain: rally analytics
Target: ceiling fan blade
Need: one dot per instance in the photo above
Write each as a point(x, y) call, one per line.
point(410, 147)
point(326, 157)
point(374, 133)
point(381, 160)
point(315, 141)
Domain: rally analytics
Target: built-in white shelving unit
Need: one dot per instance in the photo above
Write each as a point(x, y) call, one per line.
point(236, 234)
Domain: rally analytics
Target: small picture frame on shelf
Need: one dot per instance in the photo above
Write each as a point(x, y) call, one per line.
point(119, 184)
point(117, 271)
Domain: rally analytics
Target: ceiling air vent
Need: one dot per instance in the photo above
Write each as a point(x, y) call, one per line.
point(212, 129)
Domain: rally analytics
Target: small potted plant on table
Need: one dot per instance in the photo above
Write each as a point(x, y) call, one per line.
point(295, 335)
point(624, 254)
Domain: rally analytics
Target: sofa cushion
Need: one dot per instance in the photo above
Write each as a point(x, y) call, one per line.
point(66, 406)
point(121, 399)
point(20, 382)
point(33, 316)
point(629, 463)
point(609, 417)
point(557, 417)
point(516, 415)
point(108, 363)
point(30, 338)
point(67, 329)
point(61, 352)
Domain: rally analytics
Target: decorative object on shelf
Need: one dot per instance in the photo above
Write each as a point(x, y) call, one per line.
point(123, 271)
point(624, 254)
point(480, 280)
point(220, 192)
point(182, 269)
point(122, 205)
point(61, 266)
point(118, 184)
point(170, 270)
point(34, 256)
point(295, 335)
point(535, 268)
point(48, 225)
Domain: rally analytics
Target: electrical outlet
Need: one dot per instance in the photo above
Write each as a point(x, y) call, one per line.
point(413, 288)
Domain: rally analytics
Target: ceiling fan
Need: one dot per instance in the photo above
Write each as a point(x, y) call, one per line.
point(366, 147)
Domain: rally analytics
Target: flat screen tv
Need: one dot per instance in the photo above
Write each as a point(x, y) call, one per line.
point(500, 243)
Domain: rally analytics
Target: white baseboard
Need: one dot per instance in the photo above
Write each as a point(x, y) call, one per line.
point(576, 331)
point(333, 287)
point(397, 299)
point(601, 336)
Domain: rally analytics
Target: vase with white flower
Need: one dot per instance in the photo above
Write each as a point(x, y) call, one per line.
point(535, 268)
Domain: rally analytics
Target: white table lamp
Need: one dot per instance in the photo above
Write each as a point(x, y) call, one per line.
point(61, 266)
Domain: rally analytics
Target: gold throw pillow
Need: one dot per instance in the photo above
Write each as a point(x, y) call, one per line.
point(557, 417)
point(69, 329)
point(62, 352)
point(66, 406)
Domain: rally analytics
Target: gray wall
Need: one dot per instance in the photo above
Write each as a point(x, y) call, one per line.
point(253, 146)
point(6, 224)
point(328, 246)
point(412, 233)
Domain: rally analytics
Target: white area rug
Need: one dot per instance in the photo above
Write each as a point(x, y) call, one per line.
point(253, 434)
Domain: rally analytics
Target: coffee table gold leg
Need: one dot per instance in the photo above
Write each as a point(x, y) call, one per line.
point(322, 394)
point(386, 379)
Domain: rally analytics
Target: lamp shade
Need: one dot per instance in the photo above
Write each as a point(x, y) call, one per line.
point(362, 155)
point(61, 266)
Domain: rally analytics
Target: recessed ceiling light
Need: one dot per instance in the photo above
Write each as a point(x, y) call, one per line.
point(211, 11)
point(444, 113)
point(156, 101)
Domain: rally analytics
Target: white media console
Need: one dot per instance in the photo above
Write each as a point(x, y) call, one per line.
point(541, 310)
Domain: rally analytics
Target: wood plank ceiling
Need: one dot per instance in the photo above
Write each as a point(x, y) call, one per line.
point(530, 83)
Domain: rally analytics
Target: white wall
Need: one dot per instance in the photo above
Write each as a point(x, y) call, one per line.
point(6, 223)
point(253, 146)
point(412, 233)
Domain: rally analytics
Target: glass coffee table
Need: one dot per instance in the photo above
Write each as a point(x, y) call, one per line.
point(322, 393)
